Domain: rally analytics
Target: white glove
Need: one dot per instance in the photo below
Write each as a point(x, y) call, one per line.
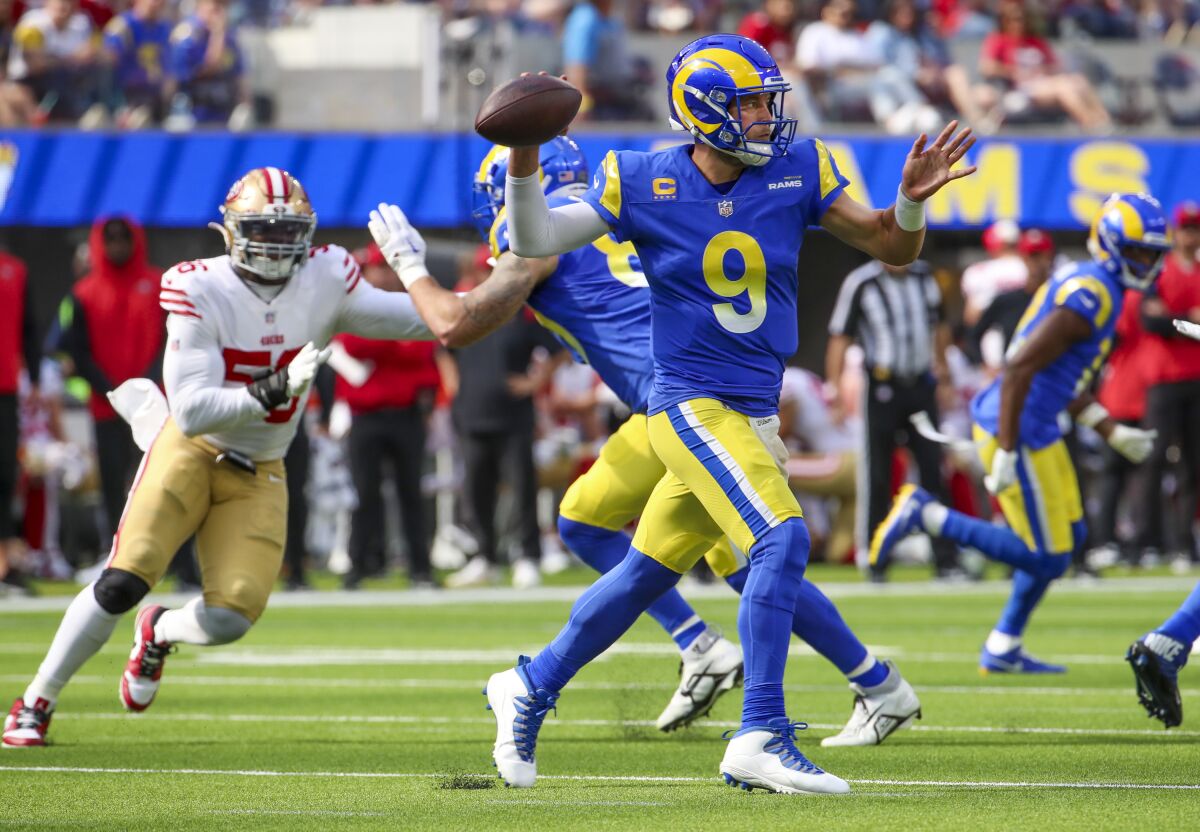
point(767, 428)
point(1134, 444)
point(1004, 472)
point(401, 244)
point(1188, 328)
point(303, 367)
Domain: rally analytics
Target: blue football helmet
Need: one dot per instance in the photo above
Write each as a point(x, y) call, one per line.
point(1130, 239)
point(562, 165)
point(706, 84)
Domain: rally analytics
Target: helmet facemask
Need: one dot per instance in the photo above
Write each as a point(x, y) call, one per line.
point(758, 152)
point(270, 247)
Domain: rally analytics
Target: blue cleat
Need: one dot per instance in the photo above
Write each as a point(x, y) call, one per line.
point(901, 521)
point(766, 757)
point(1014, 661)
point(520, 710)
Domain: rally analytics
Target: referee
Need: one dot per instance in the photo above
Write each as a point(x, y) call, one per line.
point(895, 314)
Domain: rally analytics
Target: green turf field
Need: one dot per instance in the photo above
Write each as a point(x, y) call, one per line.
point(369, 715)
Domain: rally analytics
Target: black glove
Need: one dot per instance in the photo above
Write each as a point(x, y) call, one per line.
point(271, 390)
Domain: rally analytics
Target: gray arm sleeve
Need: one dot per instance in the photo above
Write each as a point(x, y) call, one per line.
point(534, 230)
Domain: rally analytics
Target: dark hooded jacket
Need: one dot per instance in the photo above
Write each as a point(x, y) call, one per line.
point(111, 323)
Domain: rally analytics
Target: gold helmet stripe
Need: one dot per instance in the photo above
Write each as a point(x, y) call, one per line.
point(740, 69)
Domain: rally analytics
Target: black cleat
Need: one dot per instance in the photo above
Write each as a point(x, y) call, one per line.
point(1157, 684)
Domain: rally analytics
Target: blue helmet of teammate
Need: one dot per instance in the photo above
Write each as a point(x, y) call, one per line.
point(1130, 239)
point(562, 166)
point(706, 84)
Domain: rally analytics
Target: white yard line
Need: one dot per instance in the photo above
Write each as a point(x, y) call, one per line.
point(409, 719)
point(182, 678)
point(331, 656)
point(605, 778)
point(438, 598)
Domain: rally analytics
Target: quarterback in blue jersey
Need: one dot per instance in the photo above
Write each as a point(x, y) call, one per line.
point(718, 226)
point(1060, 344)
point(596, 301)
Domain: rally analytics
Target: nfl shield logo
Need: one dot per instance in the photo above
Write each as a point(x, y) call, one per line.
point(725, 207)
point(270, 317)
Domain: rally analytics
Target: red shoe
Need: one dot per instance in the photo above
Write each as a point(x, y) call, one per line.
point(25, 727)
point(144, 669)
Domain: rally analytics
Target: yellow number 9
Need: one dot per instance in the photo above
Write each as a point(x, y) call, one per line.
point(752, 283)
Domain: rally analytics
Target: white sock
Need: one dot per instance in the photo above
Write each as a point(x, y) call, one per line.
point(84, 629)
point(999, 643)
point(183, 625)
point(933, 517)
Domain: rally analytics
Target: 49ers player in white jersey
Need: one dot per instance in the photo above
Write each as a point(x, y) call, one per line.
point(243, 338)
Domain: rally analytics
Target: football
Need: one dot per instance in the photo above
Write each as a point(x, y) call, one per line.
point(529, 110)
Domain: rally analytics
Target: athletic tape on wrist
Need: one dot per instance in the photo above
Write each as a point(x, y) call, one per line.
point(910, 215)
point(1092, 415)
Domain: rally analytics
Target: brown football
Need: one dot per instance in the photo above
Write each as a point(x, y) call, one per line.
point(529, 110)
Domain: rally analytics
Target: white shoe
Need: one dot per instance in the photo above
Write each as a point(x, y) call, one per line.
point(519, 714)
point(525, 574)
point(477, 572)
point(879, 714)
point(711, 666)
point(554, 559)
point(1102, 557)
point(767, 758)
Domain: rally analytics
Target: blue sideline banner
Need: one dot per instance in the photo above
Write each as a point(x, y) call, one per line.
point(70, 178)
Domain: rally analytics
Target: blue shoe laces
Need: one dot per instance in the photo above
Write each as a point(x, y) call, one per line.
point(783, 745)
point(531, 711)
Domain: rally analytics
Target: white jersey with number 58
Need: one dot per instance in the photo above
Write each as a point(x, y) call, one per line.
point(221, 336)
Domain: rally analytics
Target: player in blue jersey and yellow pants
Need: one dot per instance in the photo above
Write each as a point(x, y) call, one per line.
point(1059, 346)
point(597, 302)
point(718, 226)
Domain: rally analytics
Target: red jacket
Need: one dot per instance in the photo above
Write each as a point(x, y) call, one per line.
point(1178, 358)
point(12, 321)
point(1131, 365)
point(125, 324)
point(400, 371)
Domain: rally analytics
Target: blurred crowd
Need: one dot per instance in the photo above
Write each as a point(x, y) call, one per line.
point(128, 64)
point(896, 63)
point(891, 62)
point(449, 465)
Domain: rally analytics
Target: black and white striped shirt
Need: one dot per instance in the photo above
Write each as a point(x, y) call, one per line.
point(892, 316)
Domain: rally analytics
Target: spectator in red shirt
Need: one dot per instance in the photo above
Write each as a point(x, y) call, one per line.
point(18, 346)
point(1123, 393)
point(1173, 401)
point(1023, 62)
point(388, 409)
point(771, 27)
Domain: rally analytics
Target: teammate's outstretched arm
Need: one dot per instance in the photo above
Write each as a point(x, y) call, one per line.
point(456, 320)
point(895, 234)
point(534, 230)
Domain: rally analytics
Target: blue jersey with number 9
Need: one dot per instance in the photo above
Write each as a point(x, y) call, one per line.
point(596, 303)
point(721, 264)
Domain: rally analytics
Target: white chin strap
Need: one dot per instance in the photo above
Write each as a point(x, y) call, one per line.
point(756, 159)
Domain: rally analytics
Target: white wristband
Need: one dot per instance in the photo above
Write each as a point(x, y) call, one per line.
point(411, 274)
point(1092, 415)
point(910, 215)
